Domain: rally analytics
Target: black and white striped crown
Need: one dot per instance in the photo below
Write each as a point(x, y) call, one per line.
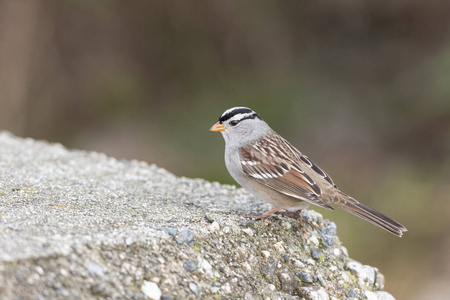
point(238, 113)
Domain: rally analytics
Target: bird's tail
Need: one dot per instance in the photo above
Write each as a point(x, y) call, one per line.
point(368, 213)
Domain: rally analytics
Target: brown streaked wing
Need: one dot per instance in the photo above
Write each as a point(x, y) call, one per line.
point(278, 174)
point(295, 154)
point(318, 170)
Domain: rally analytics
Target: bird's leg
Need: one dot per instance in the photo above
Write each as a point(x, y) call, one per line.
point(263, 216)
point(288, 213)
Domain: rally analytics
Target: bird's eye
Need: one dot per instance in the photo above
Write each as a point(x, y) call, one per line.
point(234, 123)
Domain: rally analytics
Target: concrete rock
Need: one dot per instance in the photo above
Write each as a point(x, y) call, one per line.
point(82, 225)
point(151, 290)
point(381, 295)
point(365, 274)
point(314, 293)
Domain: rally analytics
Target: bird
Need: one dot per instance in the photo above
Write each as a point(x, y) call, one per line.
point(271, 169)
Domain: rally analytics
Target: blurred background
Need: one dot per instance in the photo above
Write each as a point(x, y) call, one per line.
point(361, 87)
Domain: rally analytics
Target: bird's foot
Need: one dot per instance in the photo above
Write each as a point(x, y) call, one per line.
point(262, 216)
point(276, 210)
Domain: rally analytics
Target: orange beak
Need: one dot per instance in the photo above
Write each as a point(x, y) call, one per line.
point(217, 127)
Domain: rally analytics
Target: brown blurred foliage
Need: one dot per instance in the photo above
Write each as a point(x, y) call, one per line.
point(362, 87)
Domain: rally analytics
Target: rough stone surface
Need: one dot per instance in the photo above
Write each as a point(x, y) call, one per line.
point(190, 266)
point(380, 295)
point(304, 277)
point(366, 275)
point(151, 290)
point(81, 225)
point(314, 293)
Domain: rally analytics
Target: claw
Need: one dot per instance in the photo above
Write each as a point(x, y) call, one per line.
point(262, 216)
point(276, 210)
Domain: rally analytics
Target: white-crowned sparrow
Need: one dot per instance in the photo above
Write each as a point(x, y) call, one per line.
point(270, 168)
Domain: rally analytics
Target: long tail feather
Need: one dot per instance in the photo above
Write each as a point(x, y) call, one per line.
point(369, 214)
